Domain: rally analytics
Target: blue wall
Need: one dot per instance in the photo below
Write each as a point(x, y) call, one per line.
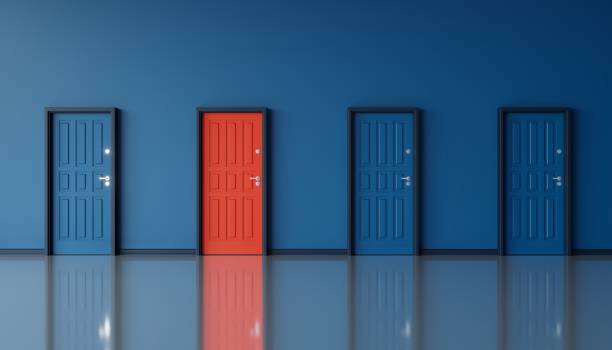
point(158, 60)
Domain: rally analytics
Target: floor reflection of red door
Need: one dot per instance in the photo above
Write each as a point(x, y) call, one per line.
point(232, 305)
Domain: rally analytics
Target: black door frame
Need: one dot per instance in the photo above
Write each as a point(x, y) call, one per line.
point(502, 114)
point(200, 114)
point(416, 112)
point(114, 171)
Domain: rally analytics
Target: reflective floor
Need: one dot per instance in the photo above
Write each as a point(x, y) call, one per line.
point(292, 303)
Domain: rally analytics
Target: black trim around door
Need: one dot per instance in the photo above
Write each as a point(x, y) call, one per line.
point(416, 112)
point(200, 112)
point(502, 113)
point(114, 140)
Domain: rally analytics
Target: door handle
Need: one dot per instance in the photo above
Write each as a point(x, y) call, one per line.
point(557, 178)
point(407, 178)
point(106, 180)
point(257, 180)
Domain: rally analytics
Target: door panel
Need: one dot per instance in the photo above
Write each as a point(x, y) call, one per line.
point(535, 185)
point(383, 180)
point(233, 303)
point(81, 200)
point(232, 183)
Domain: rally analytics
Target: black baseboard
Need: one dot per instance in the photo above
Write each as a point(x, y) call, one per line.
point(458, 251)
point(158, 251)
point(22, 251)
point(307, 252)
point(592, 252)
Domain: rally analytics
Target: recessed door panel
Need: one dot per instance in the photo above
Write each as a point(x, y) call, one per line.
point(233, 303)
point(82, 184)
point(383, 183)
point(232, 183)
point(535, 183)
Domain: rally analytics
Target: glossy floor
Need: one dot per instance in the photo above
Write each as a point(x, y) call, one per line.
point(292, 303)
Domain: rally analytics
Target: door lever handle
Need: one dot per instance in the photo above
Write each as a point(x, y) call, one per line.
point(104, 178)
point(256, 178)
point(557, 178)
point(407, 178)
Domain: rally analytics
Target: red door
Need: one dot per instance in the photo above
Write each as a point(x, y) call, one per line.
point(233, 303)
point(232, 198)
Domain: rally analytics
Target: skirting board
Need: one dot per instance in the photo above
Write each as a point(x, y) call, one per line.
point(592, 251)
point(458, 251)
point(22, 252)
point(158, 251)
point(307, 252)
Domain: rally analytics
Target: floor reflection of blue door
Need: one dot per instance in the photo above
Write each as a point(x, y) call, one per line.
point(82, 303)
point(535, 303)
point(383, 298)
point(535, 183)
point(81, 189)
point(383, 183)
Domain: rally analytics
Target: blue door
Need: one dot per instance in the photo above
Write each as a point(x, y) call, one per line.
point(82, 183)
point(535, 183)
point(383, 183)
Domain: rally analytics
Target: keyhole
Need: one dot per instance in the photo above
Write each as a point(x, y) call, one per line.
point(107, 183)
point(107, 151)
point(559, 151)
point(408, 151)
